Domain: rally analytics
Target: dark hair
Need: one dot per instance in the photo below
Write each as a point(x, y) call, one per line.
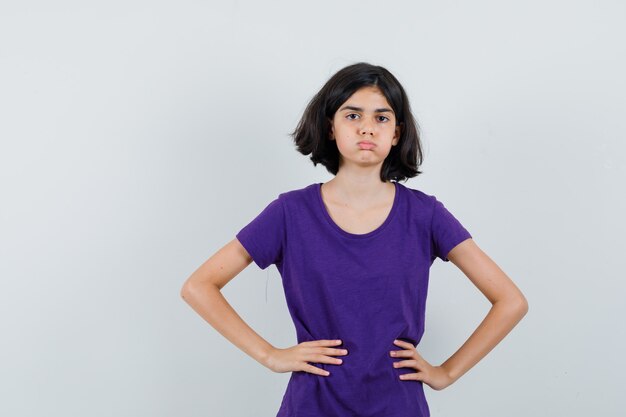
point(312, 134)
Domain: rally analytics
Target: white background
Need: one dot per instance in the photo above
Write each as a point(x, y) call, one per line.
point(138, 137)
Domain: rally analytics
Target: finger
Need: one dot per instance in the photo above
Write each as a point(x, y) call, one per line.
point(404, 344)
point(417, 355)
point(418, 376)
point(322, 342)
point(401, 353)
point(331, 351)
point(318, 358)
point(315, 370)
point(407, 364)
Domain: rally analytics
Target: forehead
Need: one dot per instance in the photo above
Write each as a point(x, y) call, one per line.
point(369, 98)
point(368, 92)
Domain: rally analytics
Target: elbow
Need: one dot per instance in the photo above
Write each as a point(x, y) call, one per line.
point(184, 292)
point(521, 305)
point(187, 290)
point(517, 305)
point(193, 289)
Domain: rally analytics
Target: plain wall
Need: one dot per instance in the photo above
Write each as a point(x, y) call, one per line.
point(138, 137)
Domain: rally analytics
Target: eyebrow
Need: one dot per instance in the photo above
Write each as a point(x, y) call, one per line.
point(383, 110)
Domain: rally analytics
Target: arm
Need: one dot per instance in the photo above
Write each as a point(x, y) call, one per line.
point(202, 291)
point(508, 307)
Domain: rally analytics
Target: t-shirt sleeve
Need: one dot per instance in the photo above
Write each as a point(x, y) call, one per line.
point(263, 237)
point(446, 231)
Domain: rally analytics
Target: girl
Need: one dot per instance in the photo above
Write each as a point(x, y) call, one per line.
point(354, 254)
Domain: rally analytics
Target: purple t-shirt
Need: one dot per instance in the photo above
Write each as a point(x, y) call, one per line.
point(365, 289)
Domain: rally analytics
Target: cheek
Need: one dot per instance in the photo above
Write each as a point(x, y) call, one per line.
point(343, 133)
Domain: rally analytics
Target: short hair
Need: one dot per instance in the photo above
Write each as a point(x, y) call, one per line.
point(312, 134)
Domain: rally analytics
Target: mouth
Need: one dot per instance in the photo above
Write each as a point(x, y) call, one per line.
point(366, 145)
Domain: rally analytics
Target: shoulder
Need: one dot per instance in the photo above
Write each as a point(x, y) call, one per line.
point(430, 206)
point(419, 198)
point(297, 195)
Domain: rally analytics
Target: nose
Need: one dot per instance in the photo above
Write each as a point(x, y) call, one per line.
point(367, 127)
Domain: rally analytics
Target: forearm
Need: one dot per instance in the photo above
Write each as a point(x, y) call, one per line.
point(501, 319)
point(209, 302)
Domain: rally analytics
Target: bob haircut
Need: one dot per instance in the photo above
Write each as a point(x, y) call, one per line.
point(312, 134)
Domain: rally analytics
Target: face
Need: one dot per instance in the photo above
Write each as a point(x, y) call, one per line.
point(365, 116)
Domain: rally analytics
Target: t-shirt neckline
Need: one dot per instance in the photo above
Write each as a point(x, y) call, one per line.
point(333, 225)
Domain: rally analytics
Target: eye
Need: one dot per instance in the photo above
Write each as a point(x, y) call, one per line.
point(381, 118)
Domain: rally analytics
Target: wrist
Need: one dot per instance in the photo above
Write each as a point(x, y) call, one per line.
point(266, 356)
point(449, 372)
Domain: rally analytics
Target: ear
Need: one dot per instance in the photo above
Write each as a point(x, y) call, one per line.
point(332, 130)
point(396, 137)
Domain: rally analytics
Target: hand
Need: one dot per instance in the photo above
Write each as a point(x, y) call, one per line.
point(435, 377)
point(296, 358)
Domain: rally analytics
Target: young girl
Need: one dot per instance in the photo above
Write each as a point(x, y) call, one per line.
point(354, 254)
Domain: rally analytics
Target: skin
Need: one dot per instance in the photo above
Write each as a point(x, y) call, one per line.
point(360, 201)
